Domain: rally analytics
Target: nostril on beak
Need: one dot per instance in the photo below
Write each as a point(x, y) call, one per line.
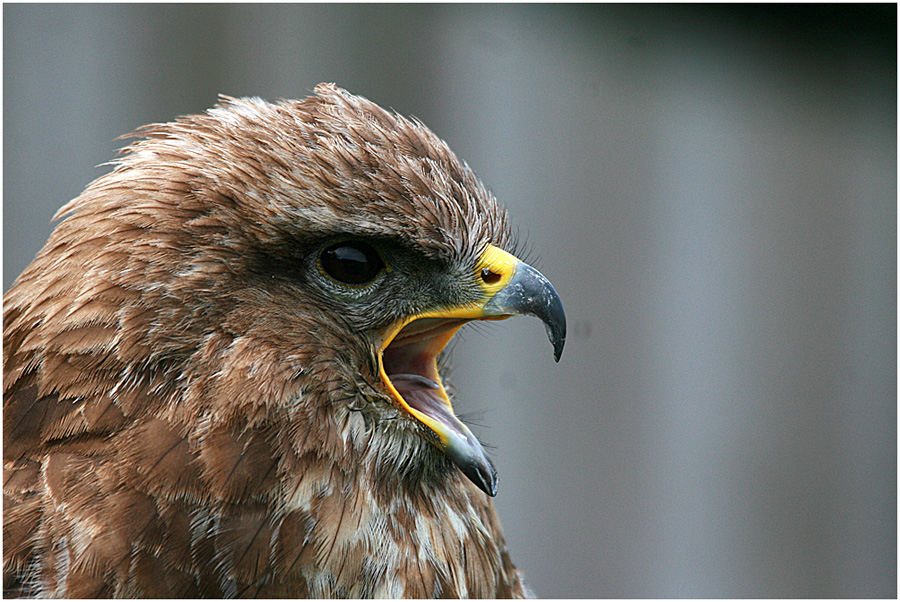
point(489, 277)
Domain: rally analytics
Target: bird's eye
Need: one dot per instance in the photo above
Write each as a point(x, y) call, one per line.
point(351, 262)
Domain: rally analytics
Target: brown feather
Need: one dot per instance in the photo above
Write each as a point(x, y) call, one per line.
point(185, 416)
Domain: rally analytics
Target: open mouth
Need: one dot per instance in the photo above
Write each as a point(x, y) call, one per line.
point(409, 348)
point(409, 370)
point(409, 363)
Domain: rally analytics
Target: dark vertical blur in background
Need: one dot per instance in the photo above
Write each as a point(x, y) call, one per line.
point(712, 190)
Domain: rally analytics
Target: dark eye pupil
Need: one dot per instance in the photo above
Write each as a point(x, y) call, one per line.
point(351, 262)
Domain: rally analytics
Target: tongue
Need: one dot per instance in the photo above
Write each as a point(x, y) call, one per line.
point(422, 394)
point(411, 382)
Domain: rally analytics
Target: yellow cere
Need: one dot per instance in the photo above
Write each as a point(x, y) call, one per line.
point(494, 269)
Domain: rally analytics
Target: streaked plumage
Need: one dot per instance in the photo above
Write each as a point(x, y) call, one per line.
point(195, 405)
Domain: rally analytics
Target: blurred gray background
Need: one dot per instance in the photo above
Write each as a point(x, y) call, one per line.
point(712, 190)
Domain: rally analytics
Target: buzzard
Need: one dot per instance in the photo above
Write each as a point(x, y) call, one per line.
point(221, 373)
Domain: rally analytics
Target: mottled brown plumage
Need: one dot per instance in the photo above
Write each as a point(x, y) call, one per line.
point(195, 406)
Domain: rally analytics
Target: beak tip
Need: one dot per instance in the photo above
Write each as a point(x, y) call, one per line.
point(530, 293)
point(484, 477)
point(464, 450)
point(490, 487)
point(556, 332)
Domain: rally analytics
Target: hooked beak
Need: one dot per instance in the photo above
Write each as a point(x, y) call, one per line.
point(408, 351)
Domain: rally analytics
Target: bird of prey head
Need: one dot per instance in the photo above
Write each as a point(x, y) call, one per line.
point(221, 372)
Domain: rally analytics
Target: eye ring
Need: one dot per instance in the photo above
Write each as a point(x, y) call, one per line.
point(351, 263)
